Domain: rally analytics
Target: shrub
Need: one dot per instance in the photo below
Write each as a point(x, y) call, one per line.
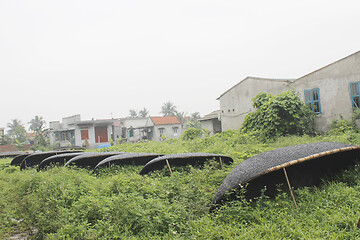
point(279, 115)
point(192, 133)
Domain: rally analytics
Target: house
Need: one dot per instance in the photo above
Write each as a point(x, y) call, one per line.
point(331, 91)
point(74, 132)
point(211, 122)
point(96, 132)
point(235, 103)
point(134, 129)
point(62, 133)
point(161, 128)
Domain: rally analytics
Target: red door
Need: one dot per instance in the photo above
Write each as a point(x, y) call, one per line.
point(101, 134)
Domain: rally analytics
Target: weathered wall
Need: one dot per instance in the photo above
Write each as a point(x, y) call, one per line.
point(13, 148)
point(236, 102)
point(333, 82)
point(168, 131)
point(212, 125)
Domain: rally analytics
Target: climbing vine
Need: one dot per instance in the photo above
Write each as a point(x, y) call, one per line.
point(279, 115)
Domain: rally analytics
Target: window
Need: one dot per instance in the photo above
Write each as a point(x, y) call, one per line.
point(161, 131)
point(131, 132)
point(312, 99)
point(355, 96)
point(175, 131)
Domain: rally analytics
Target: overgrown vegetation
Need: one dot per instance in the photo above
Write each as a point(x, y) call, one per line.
point(279, 115)
point(71, 203)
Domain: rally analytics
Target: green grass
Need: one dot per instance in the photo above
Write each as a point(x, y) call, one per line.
point(64, 203)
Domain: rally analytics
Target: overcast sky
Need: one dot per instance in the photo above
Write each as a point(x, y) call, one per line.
point(102, 58)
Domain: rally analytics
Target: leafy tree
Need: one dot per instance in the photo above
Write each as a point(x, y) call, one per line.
point(194, 116)
point(144, 112)
point(194, 120)
point(193, 133)
point(133, 113)
point(168, 109)
point(279, 115)
point(194, 124)
point(181, 117)
point(17, 130)
point(5, 139)
point(37, 125)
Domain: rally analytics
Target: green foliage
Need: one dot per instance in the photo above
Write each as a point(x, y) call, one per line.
point(5, 139)
point(168, 109)
point(37, 125)
point(17, 131)
point(279, 115)
point(72, 203)
point(192, 133)
point(342, 126)
point(133, 113)
point(143, 113)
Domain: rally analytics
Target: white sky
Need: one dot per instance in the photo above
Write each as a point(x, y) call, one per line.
point(94, 58)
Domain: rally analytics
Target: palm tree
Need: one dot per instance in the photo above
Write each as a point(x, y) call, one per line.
point(13, 125)
point(194, 116)
point(37, 125)
point(143, 113)
point(181, 117)
point(168, 109)
point(133, 113)
point(17, 131)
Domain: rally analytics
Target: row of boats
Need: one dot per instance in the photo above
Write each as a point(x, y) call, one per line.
point(97, 160)
point(283, 168)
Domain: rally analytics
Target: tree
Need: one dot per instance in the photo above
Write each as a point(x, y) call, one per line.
point(37, 125)
point(5, 139)
point(181, 117)
point(194, 120)
point(194, 116)
point(168, 109)
point(144, 112)
point(133, 113)
point(279, 115)
point(17, 131)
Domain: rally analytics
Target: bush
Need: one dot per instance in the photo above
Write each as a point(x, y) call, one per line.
point(279, 115)
point(192, 133)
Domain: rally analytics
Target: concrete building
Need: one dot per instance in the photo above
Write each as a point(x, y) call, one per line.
point(134, 129)
point(74, 132)
point(62, 134)
point(211, 122)
point(235, 103)
point(161, 128)
point(332, 91)
point(96, 132)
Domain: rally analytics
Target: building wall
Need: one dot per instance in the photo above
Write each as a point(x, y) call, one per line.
point(333, 82)
point(236, 102)
point(212, 125)
point(168, 131)
point(92, 138)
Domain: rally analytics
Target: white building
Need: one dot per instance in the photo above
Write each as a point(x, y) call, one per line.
point(334, 90)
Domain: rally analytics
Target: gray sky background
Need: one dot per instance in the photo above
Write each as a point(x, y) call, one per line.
point(94, 58)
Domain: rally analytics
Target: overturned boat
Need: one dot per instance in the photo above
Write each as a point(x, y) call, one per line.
point(36, 158)
point(59, 159)
point(90, 160)
point(128, 159)
point(183, 159)
point(287, 168)
point(18, 159)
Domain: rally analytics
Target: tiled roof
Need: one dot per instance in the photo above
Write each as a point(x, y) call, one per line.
point(165, 120)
